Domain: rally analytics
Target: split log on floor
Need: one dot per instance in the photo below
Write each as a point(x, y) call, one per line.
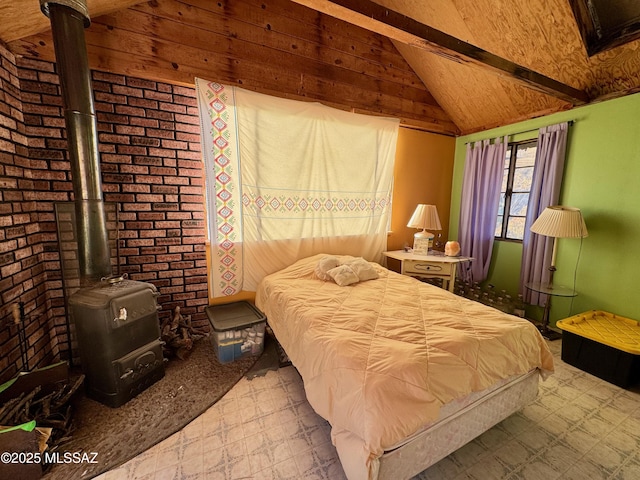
point(178, 335)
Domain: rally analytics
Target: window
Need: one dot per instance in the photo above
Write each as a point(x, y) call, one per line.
point(514, 194)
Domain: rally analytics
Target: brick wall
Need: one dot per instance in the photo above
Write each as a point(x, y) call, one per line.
point(23, 260)
point(151, 167)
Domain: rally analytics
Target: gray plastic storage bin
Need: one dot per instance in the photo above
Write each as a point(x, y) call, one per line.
point(237, 330)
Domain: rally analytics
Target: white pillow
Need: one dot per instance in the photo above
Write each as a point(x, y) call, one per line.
point(324, 265)
point(363, 269)
point(343, 275)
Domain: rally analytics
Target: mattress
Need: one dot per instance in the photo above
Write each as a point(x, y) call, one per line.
point(458, 423)
point(380, 358)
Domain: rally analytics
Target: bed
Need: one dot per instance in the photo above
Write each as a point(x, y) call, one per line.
point(404, 372)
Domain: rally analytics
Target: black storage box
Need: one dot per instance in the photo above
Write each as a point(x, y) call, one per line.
point(604, 345)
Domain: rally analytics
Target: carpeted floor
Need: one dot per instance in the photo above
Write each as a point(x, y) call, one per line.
point(118, 434)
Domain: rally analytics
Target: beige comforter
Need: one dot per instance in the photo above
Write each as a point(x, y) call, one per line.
point(379, 357)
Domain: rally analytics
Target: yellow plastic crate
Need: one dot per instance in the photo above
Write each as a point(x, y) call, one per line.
point(603, 344)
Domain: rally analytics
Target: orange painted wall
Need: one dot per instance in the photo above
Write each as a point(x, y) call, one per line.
point(423, 173)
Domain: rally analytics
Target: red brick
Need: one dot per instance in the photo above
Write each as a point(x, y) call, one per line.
point(188, 128)
point(137, 169)
point(174, 145)
point(109, 78)
point(155, 95)
point(136, 188)
point(176, 180)
point(127, 110)
point(141, 83)
point(162, 152)
point(153, 233)
point(129, 130)
point(115, 158)
point(110, 98)
point(153, 267)
point(131, 150)
point(137, 207)
point(189, 137)
point(109, 138)
point(165, 189)
point(143, 102)
point(120, 198)
point(104, 107)
point(151, 216)
point(113, 118)
point(128, 91)
point(192, 155)
point(144, 122)
point(145, 141)
point(153, 251)
point(151, 132)
point(160, 115)
point(138, 225)
point(182, 100)
point(142, 242)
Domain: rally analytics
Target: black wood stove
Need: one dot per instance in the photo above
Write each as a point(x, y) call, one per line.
point(118, 338)
point(116, 320)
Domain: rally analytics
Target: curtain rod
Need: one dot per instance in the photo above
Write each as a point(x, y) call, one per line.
point(570, 123)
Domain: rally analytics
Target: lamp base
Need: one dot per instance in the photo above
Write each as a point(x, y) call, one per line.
point(422, 242)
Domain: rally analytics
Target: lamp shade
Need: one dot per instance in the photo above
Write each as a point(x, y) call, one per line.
point(560, 222)
point(425, 216)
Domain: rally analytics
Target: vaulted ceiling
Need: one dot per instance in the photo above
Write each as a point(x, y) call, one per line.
point(445, 66)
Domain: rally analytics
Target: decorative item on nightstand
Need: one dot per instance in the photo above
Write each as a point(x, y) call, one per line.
point(424, 217)
point(452, 249)
point(556, 222)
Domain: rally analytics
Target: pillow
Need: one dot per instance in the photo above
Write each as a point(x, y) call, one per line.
point(343, 275)
point(363, 269)
point(324, 265)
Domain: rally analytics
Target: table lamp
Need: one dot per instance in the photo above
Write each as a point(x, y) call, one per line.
point(557, 222)
point(425, 217)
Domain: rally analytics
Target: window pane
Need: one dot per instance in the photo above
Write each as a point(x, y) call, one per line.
point(515, 228)
point(522, 179)
point(516, 184)
point(519, 204)
point(501, 204)
point(505, 179)
point(526, 155)
point(498, 232)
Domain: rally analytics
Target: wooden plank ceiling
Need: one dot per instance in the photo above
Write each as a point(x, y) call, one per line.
point(445, 66)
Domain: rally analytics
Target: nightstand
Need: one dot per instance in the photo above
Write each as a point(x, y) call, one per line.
point(427, 266)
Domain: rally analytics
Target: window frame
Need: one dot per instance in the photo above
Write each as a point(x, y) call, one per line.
point(512, 147)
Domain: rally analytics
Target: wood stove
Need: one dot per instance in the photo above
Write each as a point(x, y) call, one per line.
point(116, 320)
point(118, 338)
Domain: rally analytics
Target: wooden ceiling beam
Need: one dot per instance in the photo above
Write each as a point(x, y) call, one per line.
point(396, 26)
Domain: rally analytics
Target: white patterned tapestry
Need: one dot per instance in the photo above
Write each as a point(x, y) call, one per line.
point(288, 179)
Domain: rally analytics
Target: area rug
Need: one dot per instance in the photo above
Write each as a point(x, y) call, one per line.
point(116, 435)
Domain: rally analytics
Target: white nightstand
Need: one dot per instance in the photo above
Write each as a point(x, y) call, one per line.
point(428, 266)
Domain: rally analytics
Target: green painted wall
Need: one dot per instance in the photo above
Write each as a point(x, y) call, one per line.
point(602, 178)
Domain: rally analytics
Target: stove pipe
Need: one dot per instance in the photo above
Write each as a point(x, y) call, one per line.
point(68, 19)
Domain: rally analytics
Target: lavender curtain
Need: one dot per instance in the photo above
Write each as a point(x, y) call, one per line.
point(545, 191)
point(483, 170)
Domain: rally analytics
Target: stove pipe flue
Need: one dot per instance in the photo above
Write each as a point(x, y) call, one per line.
point(68, 19)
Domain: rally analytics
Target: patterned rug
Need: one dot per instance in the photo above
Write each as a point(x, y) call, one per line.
point(116, 435)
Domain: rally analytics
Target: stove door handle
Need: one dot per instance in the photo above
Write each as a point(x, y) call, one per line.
point(126, 374)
